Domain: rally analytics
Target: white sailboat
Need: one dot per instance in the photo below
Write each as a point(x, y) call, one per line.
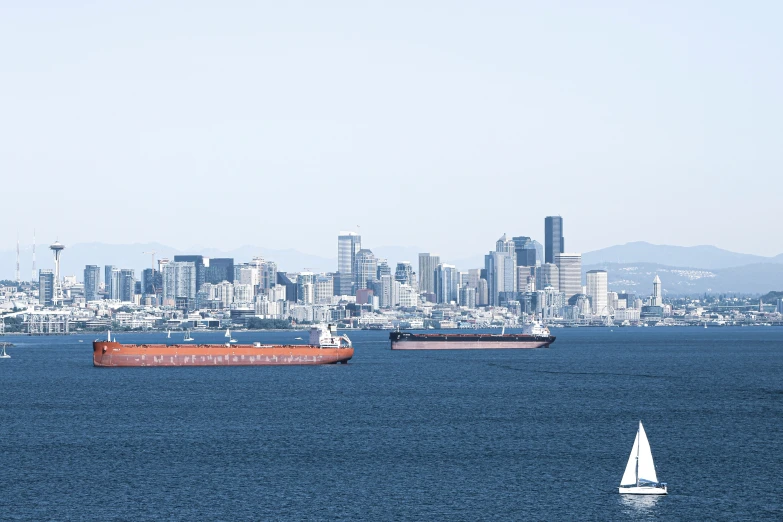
point(4, 355)
point(168, 334)
point(228, 335)
point(187, 336)
point(640, 477)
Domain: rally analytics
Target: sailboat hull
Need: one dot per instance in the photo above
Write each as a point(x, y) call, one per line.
point(643, 490)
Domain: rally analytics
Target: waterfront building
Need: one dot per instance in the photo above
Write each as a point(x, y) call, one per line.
point(780, 306)
point(569, 268)
point(446, 283)
point(365, 269)
point(46, 287)
point(92, 282)
point(348, 245)
point(597, 282)
point(427, 265)
point(551, 303)
point(554, 243)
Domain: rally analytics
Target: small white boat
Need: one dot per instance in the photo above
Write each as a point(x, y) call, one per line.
point(640, 477)
point(297, 338)
point(228, 335)
point(4, 355)
point(168, 334)
point(187, 336)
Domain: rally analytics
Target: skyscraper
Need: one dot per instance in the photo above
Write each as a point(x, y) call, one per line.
point(403, 273)
point(179, 284)
point(554, 243)
point(218, 269)
point(597, 290)
point(548, 275)
point(45, 286)
point(446, 283)
point(114, 287)
point(570, 270)
point(427, 265)
point(151, 282)
point(383, 269)
point(127, 284)
point(200, 265)
point(348, 245)
point(656, 297)
point(525, 251)
point(501, 275)
point(92, 281)
point(365, 269)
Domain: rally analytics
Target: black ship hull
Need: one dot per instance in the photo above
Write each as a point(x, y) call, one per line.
point(410, 341)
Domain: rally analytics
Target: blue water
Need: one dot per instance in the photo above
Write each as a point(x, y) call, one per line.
point(520, 434)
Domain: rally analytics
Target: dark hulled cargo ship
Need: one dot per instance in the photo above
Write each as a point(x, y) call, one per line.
point(532, 336)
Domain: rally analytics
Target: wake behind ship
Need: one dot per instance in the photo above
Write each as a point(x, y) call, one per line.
point(324, 348)
point(532, 336)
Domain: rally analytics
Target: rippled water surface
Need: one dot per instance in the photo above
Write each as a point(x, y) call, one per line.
point(464, 435)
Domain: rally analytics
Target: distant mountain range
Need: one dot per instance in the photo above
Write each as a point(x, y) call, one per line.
point(704, 256)
point(637, 278)
point(632, 266)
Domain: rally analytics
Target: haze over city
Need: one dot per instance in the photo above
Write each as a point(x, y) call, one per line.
point(439, 126)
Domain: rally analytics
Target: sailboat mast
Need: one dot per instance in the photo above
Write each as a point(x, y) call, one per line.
point(638, 445)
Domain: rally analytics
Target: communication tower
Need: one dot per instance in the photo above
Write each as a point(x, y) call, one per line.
point(57, 291)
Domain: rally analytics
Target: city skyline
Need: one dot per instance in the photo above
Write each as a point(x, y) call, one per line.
point(640, 131)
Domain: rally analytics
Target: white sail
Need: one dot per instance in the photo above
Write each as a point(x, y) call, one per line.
point(228, 333)
point(629, 477)
point(646, 466)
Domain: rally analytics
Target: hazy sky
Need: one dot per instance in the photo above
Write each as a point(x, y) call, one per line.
point(435, 124)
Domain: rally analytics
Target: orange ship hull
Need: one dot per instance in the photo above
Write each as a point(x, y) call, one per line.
point(113, 354)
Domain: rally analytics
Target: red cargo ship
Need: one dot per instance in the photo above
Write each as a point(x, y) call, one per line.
point(324, 348)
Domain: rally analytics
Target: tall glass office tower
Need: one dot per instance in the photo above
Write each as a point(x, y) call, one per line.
point(554, 243)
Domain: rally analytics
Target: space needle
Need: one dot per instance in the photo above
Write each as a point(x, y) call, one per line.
point(57, 291)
